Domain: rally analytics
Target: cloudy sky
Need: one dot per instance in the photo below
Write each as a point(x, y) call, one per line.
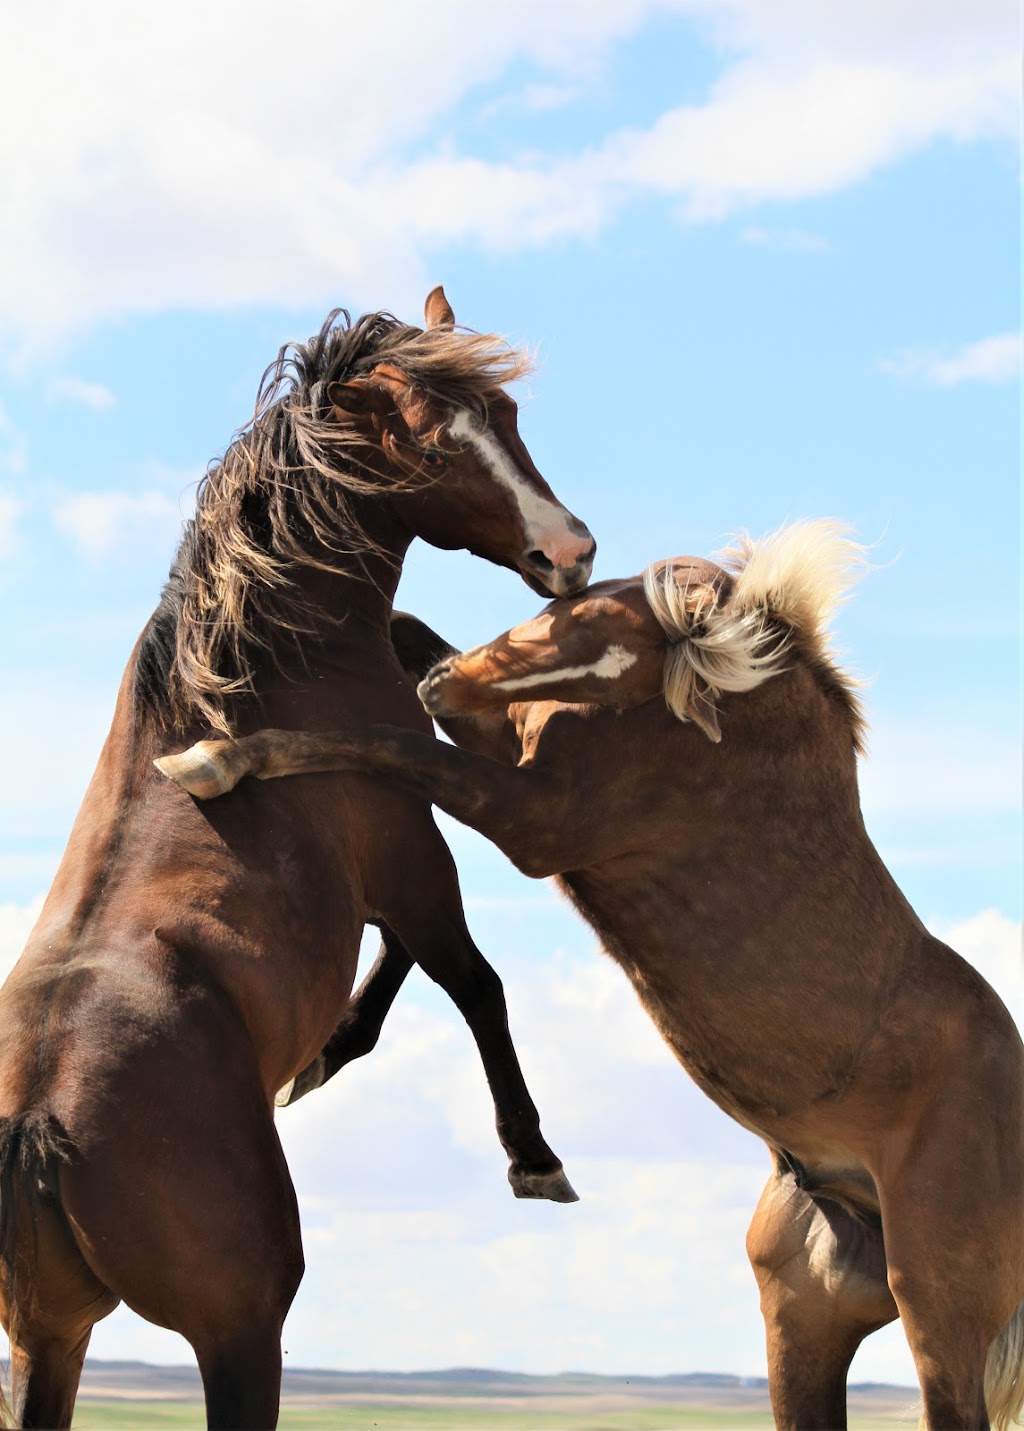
point(765, 251)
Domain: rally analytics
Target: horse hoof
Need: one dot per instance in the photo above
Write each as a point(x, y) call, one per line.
point(554, 1186)
point(201, 770)
point(312, 1076)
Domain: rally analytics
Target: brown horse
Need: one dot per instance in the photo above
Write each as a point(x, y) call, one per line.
point(714, 840)
point(189, 961)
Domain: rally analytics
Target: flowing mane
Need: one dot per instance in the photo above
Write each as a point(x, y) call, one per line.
point(280, 499)
point(778, 593)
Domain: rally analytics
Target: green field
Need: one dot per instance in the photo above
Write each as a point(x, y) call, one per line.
point(116, 1396)
point(155, 1415)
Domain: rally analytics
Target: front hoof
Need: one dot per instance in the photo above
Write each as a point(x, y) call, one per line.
point(312, 1076)
point(553, 1186)
point(431, 689)
point(204, 770)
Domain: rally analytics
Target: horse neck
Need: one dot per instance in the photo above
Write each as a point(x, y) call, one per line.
point(346, 661)
point(359, 585)
point(361, 589)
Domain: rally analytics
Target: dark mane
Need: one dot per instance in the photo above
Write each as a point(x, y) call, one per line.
point(280, 499)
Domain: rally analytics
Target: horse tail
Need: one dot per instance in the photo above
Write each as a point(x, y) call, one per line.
point(31, 1145)
point(1004, 1374)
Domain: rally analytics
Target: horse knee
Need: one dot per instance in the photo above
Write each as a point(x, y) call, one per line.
point(779, 1228)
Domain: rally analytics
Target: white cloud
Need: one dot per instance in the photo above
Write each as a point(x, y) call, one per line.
point(770, 133)
point(989, 360)
point(291, 181)
point(56, 755)
point(73, 389)
point(9, 509)
point(16, 921)
point(992, 943)
point(931, 31)
point(13, 444)
point(103, 522)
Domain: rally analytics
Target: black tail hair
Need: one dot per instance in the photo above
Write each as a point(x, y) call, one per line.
point(31, 1144)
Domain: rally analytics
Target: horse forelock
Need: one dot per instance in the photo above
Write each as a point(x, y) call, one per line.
point(771, 597)
point(280, 499)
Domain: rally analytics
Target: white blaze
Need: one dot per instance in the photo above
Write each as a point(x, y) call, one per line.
point(614, 661)
point(544, 521)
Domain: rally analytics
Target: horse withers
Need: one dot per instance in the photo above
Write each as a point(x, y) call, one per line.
point(687, 766)
point(190, 960)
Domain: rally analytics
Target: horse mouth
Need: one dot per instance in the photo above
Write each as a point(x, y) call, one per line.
point(537, 584)
point(547, 580)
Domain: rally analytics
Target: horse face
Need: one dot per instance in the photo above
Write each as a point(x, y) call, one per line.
point(467, 481)
point(478, 488)
point(601, 648)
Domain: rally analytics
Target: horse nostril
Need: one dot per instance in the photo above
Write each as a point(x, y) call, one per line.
point(539, 561)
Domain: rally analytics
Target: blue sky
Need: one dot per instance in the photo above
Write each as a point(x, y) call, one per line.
point(766, 253)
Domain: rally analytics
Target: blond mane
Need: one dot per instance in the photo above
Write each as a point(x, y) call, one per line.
point(784, 589)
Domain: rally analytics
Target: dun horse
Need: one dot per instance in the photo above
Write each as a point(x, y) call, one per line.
point(189, 961)
point(714, 839)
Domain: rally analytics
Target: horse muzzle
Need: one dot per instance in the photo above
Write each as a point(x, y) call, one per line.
point(548, 577)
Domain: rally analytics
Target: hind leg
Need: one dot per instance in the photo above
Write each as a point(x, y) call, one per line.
point(202, 1237)
point(51, 1331)
point(954, 1235)
point(821, 1273)
point(182, 1204)
point(241, 1373)
point(44, 1379)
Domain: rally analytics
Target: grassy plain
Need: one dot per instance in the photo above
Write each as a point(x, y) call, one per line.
point(130, 1396)
point(177, 1416)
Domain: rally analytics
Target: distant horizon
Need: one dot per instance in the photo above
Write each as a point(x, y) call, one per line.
point(497, 1373)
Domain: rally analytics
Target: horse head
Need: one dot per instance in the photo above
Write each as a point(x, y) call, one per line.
point(686, 629)
point(459, 474)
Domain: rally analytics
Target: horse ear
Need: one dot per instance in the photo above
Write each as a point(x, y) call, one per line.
point(359, 398)
point(437, 310)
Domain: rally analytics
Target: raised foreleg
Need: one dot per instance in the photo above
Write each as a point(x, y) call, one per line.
point(444, 950)
point(426, 915)
point(361, 1023)
point(531, 813)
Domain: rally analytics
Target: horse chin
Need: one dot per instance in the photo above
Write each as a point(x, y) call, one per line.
point(534, 582)
point(558, 582)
